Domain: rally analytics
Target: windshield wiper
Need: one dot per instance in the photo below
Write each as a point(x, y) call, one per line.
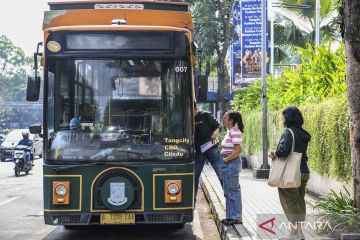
point(103, 155)
point(59, 169)
point(112, 153)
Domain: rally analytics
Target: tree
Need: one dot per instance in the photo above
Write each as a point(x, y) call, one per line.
point(214, 32)
point(352, 51)
point(12, 70)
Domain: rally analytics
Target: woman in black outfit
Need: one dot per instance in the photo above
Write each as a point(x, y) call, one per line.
point(293, 199)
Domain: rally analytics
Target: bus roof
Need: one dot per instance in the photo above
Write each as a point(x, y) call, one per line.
point(176, 2)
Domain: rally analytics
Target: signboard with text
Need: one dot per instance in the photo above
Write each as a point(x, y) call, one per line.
point(235, 48)
point(251, 35)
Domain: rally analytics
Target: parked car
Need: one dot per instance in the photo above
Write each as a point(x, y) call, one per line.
point(13, 138)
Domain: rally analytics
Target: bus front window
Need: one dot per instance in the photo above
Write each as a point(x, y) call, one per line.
point(118, 110)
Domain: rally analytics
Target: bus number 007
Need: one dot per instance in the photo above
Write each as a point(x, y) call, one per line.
point(180, 69)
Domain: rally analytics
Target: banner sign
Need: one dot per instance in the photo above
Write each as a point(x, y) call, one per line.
point(251, 39)
point(235, 48)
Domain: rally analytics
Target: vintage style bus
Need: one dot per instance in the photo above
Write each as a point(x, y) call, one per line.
point(118, 112)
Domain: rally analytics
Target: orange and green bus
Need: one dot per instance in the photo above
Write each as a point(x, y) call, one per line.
point(118, 112)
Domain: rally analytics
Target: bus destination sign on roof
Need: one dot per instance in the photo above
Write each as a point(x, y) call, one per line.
point(119, 6)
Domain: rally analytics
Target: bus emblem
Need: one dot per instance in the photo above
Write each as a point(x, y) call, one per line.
point(53, 46)
point(117, 194)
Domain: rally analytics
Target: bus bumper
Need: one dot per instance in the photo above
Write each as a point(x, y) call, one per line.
point(140, 218)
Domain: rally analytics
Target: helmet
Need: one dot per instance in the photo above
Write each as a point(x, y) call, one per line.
point(25, 135)
point(74, 123)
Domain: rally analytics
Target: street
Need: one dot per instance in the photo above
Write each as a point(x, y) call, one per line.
point(21, 210)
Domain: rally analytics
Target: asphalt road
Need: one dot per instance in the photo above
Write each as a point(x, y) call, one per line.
point(21, 215)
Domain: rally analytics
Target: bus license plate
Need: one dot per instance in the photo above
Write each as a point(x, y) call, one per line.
point(117, 218)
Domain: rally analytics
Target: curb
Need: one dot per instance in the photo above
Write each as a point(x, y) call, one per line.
point(226, 232)
point(197, 226)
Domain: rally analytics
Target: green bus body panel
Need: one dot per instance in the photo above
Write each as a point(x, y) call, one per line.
point(151, 176)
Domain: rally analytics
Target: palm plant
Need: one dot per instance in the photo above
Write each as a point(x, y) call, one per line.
point(338, 210)
point(294, 23)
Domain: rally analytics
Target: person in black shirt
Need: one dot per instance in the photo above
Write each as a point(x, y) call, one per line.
point(293, 199)
point(207, 129)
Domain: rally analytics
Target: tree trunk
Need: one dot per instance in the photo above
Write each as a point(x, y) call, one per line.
point(225, 9)
point(352, 51)
point(221, 103)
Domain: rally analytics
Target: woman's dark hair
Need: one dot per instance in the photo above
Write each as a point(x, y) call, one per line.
point(293, 117)
point(236, 117)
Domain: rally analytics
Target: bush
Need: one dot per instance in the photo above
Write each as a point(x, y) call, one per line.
point(338, 210)
point(327, 122)
point(320, 76)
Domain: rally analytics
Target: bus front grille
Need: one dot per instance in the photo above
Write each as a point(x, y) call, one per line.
point(163, 217)
point(69, 219)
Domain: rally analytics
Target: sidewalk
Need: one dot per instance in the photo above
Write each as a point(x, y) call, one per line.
point(260, 204)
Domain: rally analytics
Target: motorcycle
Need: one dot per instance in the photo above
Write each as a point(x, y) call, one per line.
point(22, 159)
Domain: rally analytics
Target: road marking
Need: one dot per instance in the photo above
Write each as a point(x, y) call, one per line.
point(197, 226)
point(9, 200)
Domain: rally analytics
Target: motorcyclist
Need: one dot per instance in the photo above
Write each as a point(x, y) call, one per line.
point(26, 142)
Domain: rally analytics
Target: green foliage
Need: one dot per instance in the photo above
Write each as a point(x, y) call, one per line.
point(252, 129)
point(12, 71)
point(337, 203)
point(211, 23)
point(296, 26)
point(329, 149)
point(320, 76)
point(338, 210)
point(15, 117)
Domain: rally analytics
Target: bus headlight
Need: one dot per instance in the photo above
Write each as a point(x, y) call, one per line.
point(60, 190)
point(173, 189)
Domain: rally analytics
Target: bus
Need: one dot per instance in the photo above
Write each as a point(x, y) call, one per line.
point(118, 89)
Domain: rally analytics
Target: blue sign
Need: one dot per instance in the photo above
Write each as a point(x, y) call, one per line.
point(235, 48)
point(251, 34)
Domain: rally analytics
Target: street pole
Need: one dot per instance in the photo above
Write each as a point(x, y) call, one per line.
point(272, 36)
point(264, 96)
point(317, 22)
point(264, 170)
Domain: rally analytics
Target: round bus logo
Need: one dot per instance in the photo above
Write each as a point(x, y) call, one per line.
point(53, 46)
point(117, 193)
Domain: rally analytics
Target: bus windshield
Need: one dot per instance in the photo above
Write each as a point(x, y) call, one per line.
point(118, 110)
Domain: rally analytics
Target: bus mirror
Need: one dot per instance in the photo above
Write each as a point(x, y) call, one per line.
point(35, 129)
point(195, 48)
point(201, 88)
point(33, 88)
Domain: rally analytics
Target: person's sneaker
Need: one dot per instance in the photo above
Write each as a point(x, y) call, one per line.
point(230, 221)
point(237, 222)
point(227, 221)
